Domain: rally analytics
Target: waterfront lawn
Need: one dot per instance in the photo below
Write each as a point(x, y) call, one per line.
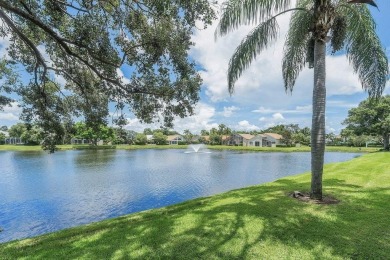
point(260, 222)
point(302, 148)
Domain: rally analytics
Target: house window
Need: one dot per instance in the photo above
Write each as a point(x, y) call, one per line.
point(257, 143)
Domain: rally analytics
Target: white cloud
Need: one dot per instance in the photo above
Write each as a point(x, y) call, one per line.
point(202, 119)
point(340, 103)
point(9, 117)
point(13, 108)
point(11, 113)
point(122, 76)
point(298, 110)
point(228, 111)
point(246, 126)
point(278, 116)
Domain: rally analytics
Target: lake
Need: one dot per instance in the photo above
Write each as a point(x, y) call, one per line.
point(41, 193)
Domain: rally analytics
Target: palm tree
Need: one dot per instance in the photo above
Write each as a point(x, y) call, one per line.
point(314, 25)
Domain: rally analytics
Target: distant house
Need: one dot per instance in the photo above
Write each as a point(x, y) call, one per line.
point(10, 140)
point(239, 139)
point(273, 139)
point(74, 141)
point(204, 139)
point(149, 139)
point(258, 141)
point(175, 139)
point(80, 141)
point(264, 140)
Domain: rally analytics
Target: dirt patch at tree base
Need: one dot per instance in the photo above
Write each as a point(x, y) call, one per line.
point(305, 197)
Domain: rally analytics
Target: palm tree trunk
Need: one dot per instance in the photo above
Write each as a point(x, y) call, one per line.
point(318, 121)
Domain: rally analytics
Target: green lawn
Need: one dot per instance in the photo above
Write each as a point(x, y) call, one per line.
point(30, 148)
point(293, 149)
point(259, 222)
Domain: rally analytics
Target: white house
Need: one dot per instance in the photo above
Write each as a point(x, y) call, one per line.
point(264, 140)
point(258, 140)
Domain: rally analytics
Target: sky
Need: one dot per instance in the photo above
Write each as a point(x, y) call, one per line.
point(259, 100)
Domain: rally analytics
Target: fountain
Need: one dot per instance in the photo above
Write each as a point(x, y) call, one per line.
point(197, 148)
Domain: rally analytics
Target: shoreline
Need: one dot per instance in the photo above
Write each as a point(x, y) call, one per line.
point(28, 148)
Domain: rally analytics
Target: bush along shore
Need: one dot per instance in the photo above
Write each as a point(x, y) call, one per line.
point(259, 222)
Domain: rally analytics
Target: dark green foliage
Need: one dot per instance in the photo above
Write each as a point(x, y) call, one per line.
point(159, 138)
point(371, 117)
point(338, 33)
point(140, 139)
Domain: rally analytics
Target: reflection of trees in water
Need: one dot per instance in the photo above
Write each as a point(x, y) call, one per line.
point(92, 158)
point(28, 154)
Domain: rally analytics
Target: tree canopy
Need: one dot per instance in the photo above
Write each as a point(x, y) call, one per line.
point(371, 117)
point(85, 43)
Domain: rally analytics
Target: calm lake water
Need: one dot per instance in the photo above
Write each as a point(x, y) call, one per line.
point(41, 193)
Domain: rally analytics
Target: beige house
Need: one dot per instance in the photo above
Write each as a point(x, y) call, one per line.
point(175, 139)
point(239, 139)
point(273, 139)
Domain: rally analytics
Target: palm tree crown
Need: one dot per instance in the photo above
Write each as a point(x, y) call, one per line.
point(315, 25)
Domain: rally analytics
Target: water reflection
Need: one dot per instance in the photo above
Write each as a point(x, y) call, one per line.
point(41, 193)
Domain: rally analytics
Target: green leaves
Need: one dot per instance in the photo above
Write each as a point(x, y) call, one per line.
point(244, 12)
point(257, 40)
point(371, 117)
point(364, 50)
point(296, 45)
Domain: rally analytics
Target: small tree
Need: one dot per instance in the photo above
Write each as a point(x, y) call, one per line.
point(159, 138)
point(140, 139)
point(188, 136)
point(371, 117)
point(17, 130)
point(2, 138)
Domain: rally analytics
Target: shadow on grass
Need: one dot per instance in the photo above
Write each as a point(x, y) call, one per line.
point(256, 222)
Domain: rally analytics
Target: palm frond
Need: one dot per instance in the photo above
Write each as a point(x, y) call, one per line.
point(364, 50)
point(244, 12)
point(256, 41)
point(296, 44)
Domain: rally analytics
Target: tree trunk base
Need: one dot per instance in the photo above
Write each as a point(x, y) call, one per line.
point(305, 197)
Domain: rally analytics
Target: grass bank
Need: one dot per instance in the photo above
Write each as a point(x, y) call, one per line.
point(293, 149)
point(31, 148)
point(259, 222)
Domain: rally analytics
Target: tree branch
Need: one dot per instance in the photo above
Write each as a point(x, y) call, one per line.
point(28, 42)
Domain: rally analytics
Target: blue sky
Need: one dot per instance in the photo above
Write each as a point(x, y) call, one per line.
point(259, 100)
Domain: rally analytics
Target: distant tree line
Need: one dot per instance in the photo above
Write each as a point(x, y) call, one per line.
point(366, 125)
